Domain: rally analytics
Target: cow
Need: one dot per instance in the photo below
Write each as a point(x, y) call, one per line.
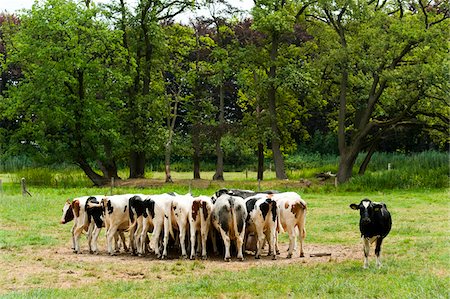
point(178, 219)
point(117, 216)
point(228, 217)
point(96, 216)
point(262, 218)
point(76, 211)
point(154, 210)
point(136, 213)
point(375, 224)
point(199, 223)
point(241, 193)
point(292, 218)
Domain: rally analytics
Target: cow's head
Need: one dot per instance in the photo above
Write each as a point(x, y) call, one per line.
point(67, 212)
point(366, 208)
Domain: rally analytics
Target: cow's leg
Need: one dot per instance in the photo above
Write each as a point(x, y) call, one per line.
point(166, 238)
point(109, 239)
point(95, 234)
point(124, 242)
point(73, 238)
point(138, 234)
point(116, 243)
point(291, 233)
point(226, 242)
point(301, 239)
point(366, 245)
point(378, 251)
point(183, 232)
point(212, 233)
point(260, 241)
point(240, 244)
point(154, 243)
point(89, 235)
point(192, 228)
point(140, 239)
point(272, 234)
point(204, 236)
point(76, 236)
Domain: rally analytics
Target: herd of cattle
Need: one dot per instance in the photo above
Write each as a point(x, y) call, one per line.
point(248, 218)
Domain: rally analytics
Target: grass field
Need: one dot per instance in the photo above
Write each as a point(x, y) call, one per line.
point(36, 259)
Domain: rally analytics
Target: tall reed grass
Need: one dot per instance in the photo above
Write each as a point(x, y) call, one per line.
point(420, 170)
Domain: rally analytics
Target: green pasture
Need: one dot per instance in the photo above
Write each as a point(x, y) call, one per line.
point(415, 255)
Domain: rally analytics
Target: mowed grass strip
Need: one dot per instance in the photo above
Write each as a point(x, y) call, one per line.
point(415, 254)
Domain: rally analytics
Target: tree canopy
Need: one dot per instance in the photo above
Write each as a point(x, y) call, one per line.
point(109, 86)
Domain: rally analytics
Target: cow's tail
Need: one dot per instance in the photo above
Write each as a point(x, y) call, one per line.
point(303, 211)
point(169, 219)
point(279, 225)
point(235, 232)
point(131, 212)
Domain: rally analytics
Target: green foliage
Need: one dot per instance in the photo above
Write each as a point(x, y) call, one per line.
point(69, 98)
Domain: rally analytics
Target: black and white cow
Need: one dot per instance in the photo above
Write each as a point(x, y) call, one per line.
point(228, 217)
point(76, 211)
point(262, 221)
point(375, 224)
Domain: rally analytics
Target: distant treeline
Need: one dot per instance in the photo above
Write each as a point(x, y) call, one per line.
point(107, 87)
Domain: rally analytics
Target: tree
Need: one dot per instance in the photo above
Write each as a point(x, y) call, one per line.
point(276, 19)
point(381, 65)
point(66, 104)
point(180, 44)
point(143, 38)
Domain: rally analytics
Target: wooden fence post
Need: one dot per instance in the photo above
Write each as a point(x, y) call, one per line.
point(24, 188)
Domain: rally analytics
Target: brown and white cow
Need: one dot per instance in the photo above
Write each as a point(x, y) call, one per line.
point(292, 218)
point(199, 223)
point(228, 217)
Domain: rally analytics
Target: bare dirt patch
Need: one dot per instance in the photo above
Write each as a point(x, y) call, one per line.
point(59, 267)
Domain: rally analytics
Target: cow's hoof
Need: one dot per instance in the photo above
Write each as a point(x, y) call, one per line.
point(204, 257)
point(274, 257)
point(241, 259)
point(163, 257)
point(112, 254)
point(227, 259)
point(278, 252)
point(302, 254)
point(289, 256)
point(257, 257)
point(183, 257)
point(192, 257)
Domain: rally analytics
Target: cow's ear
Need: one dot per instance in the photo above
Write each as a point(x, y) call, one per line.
point(354, 206)
point(377, 207)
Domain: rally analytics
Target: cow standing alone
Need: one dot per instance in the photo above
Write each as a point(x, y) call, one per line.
point(375, 224)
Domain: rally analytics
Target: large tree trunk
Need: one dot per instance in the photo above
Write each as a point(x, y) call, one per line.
point(276, 138)
point(137, 164)
point(109, 169)
point(167, 164)
point(218, 176)
point(260, 174)
point(97, 179)
point(346, 163)
point(365, 163)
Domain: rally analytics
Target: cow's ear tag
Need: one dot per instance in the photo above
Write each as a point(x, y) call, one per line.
point(376, 209)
